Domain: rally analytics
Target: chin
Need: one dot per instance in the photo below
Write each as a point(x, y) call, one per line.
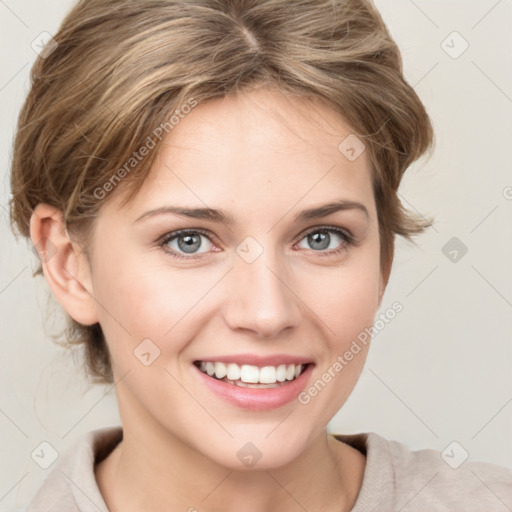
point(248, 452)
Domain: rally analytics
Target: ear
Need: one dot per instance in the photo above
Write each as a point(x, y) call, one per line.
point(64, 265)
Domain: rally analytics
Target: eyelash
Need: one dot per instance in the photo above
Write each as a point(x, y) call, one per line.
point(348, 240)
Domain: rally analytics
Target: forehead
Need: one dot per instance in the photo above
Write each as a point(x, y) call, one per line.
point(261, 146)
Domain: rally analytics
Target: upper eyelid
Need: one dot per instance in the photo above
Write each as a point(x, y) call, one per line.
point(336, 229)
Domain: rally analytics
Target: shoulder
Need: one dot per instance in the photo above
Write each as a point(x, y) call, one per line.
point(71, 485)
point(446, 479)
point(419, 480)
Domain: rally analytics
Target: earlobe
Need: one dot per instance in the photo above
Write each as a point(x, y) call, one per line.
point(64, 265)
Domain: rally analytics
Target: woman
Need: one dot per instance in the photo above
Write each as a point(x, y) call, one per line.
point(212, 188)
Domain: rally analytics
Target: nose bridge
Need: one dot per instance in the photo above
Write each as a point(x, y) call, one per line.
point(262, 299)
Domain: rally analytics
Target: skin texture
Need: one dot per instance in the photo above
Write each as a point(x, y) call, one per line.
point(263, 158)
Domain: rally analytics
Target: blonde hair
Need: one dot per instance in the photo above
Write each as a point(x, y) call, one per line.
point(122, 68)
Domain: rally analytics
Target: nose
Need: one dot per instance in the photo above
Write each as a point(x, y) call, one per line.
point(261, 298)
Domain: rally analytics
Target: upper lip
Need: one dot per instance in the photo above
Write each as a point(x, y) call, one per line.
point(258, 360)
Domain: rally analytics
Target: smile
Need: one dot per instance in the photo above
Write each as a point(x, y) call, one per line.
point(247, 375)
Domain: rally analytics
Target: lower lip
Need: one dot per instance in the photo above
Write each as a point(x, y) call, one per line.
point(257, 399)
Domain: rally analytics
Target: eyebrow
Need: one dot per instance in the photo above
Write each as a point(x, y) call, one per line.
point(224, 217)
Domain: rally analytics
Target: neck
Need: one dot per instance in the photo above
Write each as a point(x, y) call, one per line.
point(162, 473)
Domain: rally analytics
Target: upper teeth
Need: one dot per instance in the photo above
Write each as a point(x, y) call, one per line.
point(252, 374)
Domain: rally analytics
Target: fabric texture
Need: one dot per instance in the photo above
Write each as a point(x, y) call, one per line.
point(395, 479)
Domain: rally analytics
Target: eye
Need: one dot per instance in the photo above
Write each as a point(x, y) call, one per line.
point(186, 242)
point(321, 238)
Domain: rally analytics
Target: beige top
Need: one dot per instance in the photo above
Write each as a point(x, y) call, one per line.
point(395, 479)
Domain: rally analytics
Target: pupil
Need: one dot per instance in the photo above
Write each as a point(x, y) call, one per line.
point(190, 243)
point(321, 238)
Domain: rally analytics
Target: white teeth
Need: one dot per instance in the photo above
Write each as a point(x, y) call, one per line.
point(241, 384)
point(220, 370)
point(250, 374)
point(281, 373)
point(233, 371)
point(267, 375)
point(210, 368)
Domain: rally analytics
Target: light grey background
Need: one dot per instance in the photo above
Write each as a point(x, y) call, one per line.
point(441, 371)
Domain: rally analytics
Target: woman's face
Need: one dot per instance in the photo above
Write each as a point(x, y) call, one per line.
point(266, 285)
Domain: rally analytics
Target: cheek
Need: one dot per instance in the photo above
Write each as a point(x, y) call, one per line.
point(148, 301)
point(345, 298)
point(347, 307)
